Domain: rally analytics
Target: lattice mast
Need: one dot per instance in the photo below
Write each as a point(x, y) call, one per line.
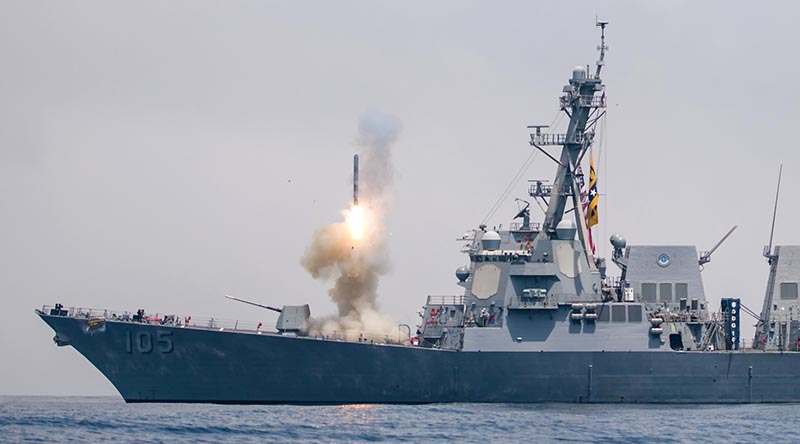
point(582, 100)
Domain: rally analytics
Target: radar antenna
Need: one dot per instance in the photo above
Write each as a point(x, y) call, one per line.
point(768, 249)
point(705, 257)
point(525, 214)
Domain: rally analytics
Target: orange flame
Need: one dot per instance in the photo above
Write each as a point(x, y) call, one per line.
point(356, 220)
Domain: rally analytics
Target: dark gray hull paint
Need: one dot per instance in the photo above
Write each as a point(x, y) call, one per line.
point(200, 365)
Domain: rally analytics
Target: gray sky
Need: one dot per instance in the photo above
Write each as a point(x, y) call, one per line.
point(163, 154)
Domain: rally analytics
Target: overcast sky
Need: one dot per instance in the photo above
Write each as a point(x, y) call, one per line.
point(163, 154)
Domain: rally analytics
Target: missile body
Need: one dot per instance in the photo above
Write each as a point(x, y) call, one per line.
point(355, 179)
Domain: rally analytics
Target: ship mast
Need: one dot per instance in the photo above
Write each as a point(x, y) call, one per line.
point(581, 104)
point(602, 48)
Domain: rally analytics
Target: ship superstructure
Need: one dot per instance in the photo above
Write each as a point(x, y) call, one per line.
point(539, 286)
point(539, 318)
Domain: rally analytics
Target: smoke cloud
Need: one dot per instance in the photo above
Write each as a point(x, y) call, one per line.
point(352, 254)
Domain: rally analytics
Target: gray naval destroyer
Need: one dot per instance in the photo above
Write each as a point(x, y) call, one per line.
point(539, 320)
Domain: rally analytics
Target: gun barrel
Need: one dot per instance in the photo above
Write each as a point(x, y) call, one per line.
point(277, 310)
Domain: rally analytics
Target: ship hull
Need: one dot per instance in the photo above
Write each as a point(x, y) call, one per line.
point(153, 363)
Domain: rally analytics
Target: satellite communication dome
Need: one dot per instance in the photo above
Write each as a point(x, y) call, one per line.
point(490, 240)
point(462, 273)
point(579, 73)
point(617, 241)
point(566, 229)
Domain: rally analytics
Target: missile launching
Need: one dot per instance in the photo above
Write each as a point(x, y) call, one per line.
point(355, 179)
point(356, 217)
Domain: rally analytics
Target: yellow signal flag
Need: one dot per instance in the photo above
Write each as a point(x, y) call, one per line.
point(594, 197)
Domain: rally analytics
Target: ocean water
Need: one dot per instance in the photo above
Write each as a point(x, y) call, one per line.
point(110, 420)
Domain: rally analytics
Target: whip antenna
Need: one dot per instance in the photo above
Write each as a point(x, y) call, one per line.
point(768, 249)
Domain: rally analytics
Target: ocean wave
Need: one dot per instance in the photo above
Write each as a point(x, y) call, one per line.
point(77, 419)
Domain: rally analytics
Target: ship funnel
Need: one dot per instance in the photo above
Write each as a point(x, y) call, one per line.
point(490, 241)
point(566, 229)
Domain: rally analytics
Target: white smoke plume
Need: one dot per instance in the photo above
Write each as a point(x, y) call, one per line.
point(353, 253)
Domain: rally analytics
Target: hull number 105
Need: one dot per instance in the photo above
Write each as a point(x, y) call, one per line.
point(146, 342)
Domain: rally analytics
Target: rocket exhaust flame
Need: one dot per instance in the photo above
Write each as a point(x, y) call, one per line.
point(356, 220)
point(352, 254)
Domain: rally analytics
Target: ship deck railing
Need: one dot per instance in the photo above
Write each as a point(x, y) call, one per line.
point(545, 139)
point(364, 337)
point(167, 319)
point(445, 300)
point(548, 302)
point(218, 324)
point(532, 226)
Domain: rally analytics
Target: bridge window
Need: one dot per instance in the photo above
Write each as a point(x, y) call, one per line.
point(603, 313)
point(618, 313)
point(665, 292)
point(681, 291)
point(634, 313)
point(788, 290)
point(649, 292)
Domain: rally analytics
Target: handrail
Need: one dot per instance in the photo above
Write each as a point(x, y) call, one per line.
point(533, 226)
point(544, 139)
point(156, 318)
point(219, 324)
point(445, 300)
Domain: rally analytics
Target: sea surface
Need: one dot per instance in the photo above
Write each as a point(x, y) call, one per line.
point(110, 420)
